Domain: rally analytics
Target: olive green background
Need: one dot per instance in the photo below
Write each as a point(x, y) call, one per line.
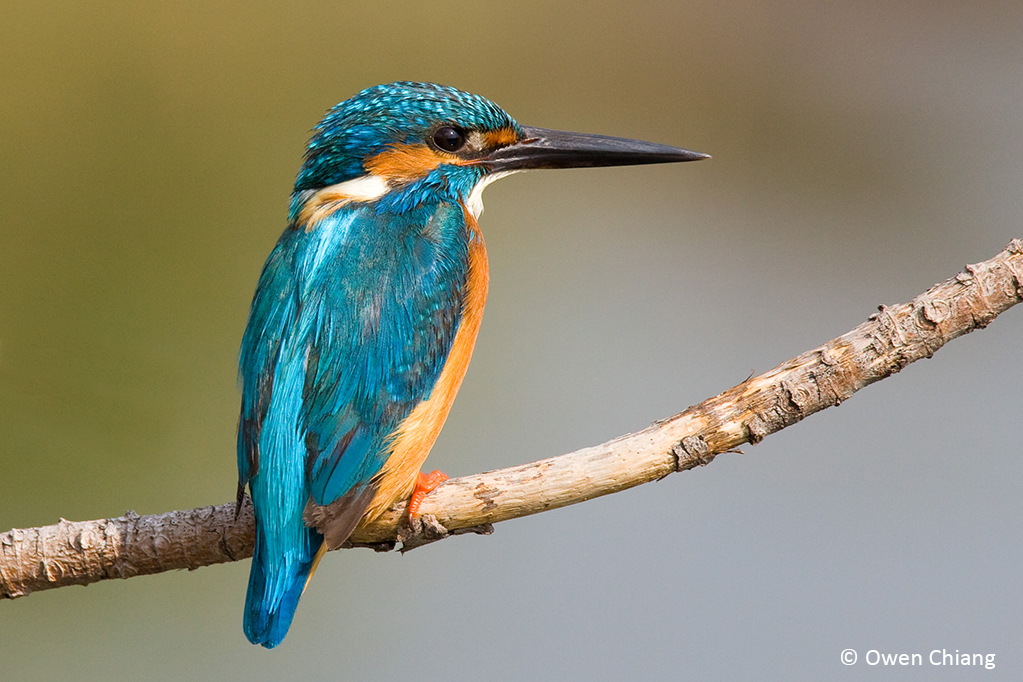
point(862, 151)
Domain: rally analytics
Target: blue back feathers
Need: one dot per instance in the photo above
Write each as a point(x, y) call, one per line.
point(350, 326)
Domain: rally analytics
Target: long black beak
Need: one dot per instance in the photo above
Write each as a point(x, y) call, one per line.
point(542, 148)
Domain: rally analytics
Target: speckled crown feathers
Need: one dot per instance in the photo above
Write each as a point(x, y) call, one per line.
point(398, 112)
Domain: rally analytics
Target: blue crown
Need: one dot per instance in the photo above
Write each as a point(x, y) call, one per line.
point(401, 112)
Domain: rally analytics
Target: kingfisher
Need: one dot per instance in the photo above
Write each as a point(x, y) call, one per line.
point(366, 314)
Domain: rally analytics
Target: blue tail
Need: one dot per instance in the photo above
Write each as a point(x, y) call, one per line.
point(275, 584)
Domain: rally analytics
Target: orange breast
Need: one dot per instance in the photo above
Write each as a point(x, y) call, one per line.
point(417, 433)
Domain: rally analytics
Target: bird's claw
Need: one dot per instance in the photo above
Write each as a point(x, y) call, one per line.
point(425, 484)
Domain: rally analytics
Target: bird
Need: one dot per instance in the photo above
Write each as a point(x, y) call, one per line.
point(366, 313)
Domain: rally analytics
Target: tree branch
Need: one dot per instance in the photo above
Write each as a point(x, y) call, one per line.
point(79, 553)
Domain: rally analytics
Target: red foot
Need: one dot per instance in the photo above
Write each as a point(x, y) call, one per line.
point(425, 484)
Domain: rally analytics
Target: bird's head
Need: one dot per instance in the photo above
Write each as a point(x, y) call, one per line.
point(404, 144)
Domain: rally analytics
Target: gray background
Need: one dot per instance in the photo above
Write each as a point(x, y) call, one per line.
point(862, 151)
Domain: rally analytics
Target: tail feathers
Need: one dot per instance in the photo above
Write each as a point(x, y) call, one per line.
point(275, 585)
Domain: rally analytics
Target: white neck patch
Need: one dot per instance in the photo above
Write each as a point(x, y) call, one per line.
point(371, 187)
point(322, 202)
point(367, 187)
point(475, 201)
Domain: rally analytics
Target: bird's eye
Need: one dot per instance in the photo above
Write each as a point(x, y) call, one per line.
point(449, 139)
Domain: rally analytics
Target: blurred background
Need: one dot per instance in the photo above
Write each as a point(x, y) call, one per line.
point(862, 152)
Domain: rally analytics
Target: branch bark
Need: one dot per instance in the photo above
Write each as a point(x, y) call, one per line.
point(79, 553)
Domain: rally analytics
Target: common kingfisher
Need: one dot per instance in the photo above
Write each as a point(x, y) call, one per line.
point(366, 314)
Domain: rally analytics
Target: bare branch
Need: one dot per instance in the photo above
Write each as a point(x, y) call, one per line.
point(79, 553)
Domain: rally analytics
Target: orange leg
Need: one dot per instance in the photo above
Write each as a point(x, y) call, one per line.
point(425, 484)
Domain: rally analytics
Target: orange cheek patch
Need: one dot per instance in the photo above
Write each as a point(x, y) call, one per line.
point(501, 137)
point(402, 163)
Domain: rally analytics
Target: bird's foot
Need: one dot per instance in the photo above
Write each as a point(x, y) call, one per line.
point(425, 484)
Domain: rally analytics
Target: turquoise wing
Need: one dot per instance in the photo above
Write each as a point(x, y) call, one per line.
point(349, 329)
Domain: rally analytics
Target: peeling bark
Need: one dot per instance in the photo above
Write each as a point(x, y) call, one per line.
point(79, 553)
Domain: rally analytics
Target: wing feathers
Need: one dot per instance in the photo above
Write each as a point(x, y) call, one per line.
point(349, 330)
point(337, 520)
